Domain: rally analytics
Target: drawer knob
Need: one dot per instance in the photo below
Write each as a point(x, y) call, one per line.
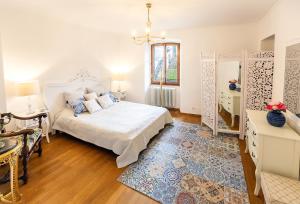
point(253, 144)
point(253, 155)
point(253, 133)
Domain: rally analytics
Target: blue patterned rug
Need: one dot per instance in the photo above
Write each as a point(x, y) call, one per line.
point(184, 164)
point(222, 124)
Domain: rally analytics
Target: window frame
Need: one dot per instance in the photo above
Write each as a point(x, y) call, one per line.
point(165, 64)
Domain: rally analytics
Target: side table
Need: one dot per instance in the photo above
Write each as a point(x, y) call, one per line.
point(9, 153)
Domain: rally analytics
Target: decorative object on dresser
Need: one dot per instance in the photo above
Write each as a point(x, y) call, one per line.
point(232, 84)
point(28, 88)
point(280, 190)
point(272, 149)
point(275, 117)
point(9, 153)
point(31, 138)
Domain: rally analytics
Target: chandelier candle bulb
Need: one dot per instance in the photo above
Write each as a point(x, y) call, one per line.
point(148, 37)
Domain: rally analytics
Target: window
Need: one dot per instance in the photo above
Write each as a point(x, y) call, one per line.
point(165, 63)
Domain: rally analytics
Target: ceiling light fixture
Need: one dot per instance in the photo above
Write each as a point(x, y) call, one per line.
point(147, 37)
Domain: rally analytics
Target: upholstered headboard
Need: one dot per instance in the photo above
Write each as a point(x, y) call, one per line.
point(53, 92)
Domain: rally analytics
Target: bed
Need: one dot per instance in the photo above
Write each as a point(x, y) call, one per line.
point(125, 128)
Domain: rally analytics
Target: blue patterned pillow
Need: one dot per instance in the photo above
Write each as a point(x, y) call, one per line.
point(112, 97)
point(78, 107)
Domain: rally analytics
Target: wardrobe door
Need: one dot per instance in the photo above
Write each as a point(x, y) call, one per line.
point(208, 90)
point(259, 79)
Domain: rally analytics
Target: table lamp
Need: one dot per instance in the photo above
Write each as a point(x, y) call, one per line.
point(119, 77)
point(28, 89)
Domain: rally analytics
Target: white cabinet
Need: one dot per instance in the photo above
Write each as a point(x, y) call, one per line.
point(272, 149)
point(230, 101)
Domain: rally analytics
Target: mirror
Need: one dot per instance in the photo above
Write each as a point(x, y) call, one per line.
point(229, 96)
point(292, 79)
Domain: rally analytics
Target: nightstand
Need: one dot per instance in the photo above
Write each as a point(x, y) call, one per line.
point(121, 95)
point(34, 123)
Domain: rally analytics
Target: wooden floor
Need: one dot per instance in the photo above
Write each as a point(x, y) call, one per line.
point(227, 118)
point(72, 171)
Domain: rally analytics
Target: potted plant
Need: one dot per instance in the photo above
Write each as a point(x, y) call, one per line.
point(232, 84)
point(275, 116)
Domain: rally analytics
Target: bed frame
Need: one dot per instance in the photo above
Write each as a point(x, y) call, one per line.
point(53, 92)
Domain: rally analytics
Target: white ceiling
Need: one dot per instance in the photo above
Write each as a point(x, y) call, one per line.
point(126, 15)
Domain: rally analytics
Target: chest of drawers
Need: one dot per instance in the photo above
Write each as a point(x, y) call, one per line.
point(272, 149)
point(230, 101)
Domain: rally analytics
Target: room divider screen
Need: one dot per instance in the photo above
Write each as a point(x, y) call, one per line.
point(208, 89)
point(257, 72)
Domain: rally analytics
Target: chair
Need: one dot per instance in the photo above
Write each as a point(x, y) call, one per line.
point(32, 139)
point(280, 190)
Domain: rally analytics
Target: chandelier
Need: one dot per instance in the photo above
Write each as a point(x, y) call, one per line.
point(147, 37)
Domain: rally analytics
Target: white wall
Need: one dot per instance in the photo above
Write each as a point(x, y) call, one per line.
point(2, 84)
point(283, 21)
point(224, 39)
point(133, 59)
point(268, 43)
point(35, 47)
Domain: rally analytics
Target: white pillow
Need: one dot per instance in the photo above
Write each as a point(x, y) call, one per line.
point(72, 97)
point(92, 106)
point(90, 96)
point(105, 101)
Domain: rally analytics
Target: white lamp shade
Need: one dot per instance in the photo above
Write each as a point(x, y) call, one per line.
point(28, 88)
point(118, 76)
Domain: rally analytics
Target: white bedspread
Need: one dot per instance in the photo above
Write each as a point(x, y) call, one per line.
point(125, 128)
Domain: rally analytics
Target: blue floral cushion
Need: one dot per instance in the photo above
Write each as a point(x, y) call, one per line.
point(31, 139)
point(78, 107)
